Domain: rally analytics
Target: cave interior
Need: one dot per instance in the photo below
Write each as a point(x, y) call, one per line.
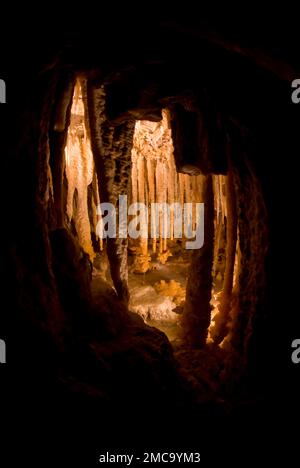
point(144, 330)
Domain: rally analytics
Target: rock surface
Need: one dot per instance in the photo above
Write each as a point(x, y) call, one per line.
point(151, 306)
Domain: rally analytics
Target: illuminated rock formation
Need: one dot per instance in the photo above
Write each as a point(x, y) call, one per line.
point(154, 179)
point(151, 306)
point(111, 145)
point(219, 331)
point(171, 289)
point(79, 168)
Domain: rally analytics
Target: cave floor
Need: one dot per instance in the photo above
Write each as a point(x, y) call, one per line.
point(157, 295)
point(161, 310)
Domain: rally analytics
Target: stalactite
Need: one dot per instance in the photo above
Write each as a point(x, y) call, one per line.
point(58, 140)
point(165, 220)
point(79, 171)
point(220, 228)
point(95, 204)
point(151, 182)
point(194, 198)
point(172, 176)
point(155, 180)
point(159, 199)
point(134, 181)
point(181, 188)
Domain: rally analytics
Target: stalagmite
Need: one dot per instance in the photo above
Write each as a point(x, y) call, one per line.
point(142, 199)
point(197, 309)
point(250, 272)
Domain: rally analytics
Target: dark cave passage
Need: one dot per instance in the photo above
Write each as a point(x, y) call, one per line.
point(121, 321)
point(122, 340)
point(193, 295)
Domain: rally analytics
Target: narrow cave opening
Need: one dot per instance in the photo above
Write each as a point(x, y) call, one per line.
point(159, 262)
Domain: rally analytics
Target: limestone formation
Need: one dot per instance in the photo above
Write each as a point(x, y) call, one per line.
point(79, 166)
point(111, 147)
point(154, 179)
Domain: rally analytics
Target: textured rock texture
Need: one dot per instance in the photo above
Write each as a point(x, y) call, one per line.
point(112, 152)
point(152, 307)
